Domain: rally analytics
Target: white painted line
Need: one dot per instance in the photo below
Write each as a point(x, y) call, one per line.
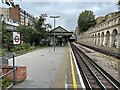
point(70, 85)
point(80, 77)
point(66, 86)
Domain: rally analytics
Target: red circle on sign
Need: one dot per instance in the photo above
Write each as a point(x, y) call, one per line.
point(16, 39)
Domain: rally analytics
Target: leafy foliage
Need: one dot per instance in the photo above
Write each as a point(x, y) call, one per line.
point(86, 19)
point(40, 29)
point(26, 33)
point(6, 35)
point(0, 35)
point(40, 25)
point(5, 83)
point(30, 35)
point(36, 34)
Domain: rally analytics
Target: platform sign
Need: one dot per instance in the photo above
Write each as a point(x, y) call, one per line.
point(16, 38)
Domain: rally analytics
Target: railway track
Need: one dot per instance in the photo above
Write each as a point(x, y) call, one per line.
point(93, 75)
point(116, 55)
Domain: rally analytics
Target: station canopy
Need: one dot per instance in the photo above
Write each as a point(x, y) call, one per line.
point(60, 31)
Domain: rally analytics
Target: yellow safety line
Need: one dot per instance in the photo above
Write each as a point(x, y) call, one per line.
point(73, 73)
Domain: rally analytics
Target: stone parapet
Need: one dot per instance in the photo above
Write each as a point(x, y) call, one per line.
point(106, 33)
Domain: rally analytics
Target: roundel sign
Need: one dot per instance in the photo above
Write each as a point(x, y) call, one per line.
point(16, 38)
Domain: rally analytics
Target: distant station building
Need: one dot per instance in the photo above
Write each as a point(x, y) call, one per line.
point(10, 25)
point(4, 12)
point(61, 36)
point(17, 14)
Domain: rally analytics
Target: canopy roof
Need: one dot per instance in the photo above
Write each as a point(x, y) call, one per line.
point(60, 31)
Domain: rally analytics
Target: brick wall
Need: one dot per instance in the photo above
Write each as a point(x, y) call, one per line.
point(14, 13)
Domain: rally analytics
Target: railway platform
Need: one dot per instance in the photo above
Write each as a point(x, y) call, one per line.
point(48, 69)
point(59, 69)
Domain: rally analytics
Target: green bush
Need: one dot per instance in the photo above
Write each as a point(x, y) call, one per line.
point(5, 83)
point(22, 47)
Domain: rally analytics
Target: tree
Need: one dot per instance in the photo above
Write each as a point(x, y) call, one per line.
point(40, 25)
point(0, 35)
point(118, 5)
point(6, 35)
point(26, 33)
point(34, 35)
point(41, 28)
point(86, 19)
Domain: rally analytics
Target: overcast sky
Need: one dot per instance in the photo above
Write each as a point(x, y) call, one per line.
point(68, 11)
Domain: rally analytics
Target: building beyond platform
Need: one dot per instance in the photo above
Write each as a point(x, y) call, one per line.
point(61, 35)
point(105, 33)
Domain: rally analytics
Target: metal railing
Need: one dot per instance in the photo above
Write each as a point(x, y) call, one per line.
point(13, 67)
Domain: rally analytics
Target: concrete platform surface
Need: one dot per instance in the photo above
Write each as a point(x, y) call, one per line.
point(42, 67)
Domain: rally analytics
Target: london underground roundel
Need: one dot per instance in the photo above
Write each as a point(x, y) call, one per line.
point(16, 38)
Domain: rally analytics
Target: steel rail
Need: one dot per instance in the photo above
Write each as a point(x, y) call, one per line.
point(108, 75)
point(113, 82)
point(92, 73)
point(100, 70)
point(116, 55)
point(86, 81)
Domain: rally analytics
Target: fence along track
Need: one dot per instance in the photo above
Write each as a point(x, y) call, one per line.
point(93, 76)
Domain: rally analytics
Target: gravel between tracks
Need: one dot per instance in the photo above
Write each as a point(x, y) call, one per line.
point(110, 64)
